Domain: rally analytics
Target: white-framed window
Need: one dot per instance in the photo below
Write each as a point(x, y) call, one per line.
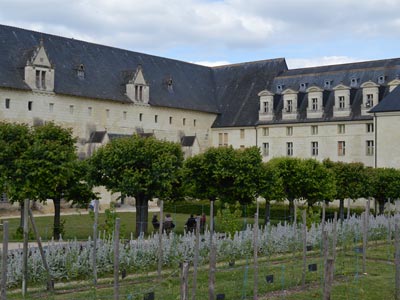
point(314, 129)
point(314, 104)
point(223, 139)
point(265, 131)
point(140, 117)
point(369, 147)
point(314, 148)
point(265, 108)
point(170, 120)
point(265, 149)
point(341, 128)
point(51, 107)
point(370, 127)
point(289, 130)
point(7, 103)
point(139, 92)
point(289, 148)
point(184, 121)
point(342, 102)
point(30, 105)
point(370, 100)
point(289, 106)
point(156, 119)
point(242, 133)
point(341, 148)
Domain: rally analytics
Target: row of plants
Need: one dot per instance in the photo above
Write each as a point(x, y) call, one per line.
point(73, 260)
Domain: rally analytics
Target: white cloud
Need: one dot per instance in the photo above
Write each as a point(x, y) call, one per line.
point(212, 63)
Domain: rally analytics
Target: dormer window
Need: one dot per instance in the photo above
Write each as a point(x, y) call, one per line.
point(370, 101)
point(314, 104)
point(381, 79)
point(342, 102)
point(139, 93)
point(279, 88)
point(303, 86)
point(289, 106)
point(354, 82)
point(137, 88)
point(169, 85)
point(265, 107)
point(81, 72)
point(40, 80)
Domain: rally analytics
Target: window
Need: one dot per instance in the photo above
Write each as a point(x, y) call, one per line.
point(341, 129)
point(265, 131)
point(140, 117)
point(124, 115)
point(341, 148)
point(81, 72)
point(89, 111)
point(265, 149)
point(289, 106)
point(314, 102)
point(43, 79)
point(194, 123)
point(369, 148)
point(155, 118)
point(222, 139)
point(370, 100)
point(342, 102)
point(289, 131)
point(370, 127)
point(107, 113)
point(51, 107)
point(289, 149)
point(314, 129)
point(279, 88)
point(242, 147)
point(225, 139)
point(327, 84)
point(303, 86)
point(314, 148)
point(170, 120)
point(30, 105)
point(37, 79)
point(71, 109)
point(7, 103)
point(184, 121)
point(242, 133)
point(40, 79)
point(381, 79)
point(138, 92)
point(265, 107)
point(354, 82)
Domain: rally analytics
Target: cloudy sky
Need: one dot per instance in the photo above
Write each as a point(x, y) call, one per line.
point(212, 32)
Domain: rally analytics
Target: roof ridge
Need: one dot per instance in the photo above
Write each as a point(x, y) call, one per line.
point(249, 62)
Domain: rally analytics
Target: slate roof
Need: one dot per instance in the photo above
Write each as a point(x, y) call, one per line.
point(188, 141)
point(97, 137)
point(389, 103)
point(237, 88)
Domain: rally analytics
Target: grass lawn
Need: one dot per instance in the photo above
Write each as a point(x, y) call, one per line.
point(80, 226)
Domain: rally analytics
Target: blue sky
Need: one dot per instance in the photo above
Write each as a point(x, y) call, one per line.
point(306, 33)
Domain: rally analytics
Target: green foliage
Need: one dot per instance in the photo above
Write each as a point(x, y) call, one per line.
point(19, 234)
point(229, 218)
point(313, 215)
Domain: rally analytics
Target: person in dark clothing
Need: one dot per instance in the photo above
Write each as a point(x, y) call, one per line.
point(190, 224)
point(168, 224)
point(202, 222)
point(155, 222)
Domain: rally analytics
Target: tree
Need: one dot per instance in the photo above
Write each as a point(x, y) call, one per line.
point(270, 188)
point(225, 173)
point(52, 171)
point(138, 167)
point(384, 184)
point(350, 181)
point(14, 141)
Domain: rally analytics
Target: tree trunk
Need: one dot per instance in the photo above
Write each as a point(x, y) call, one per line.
point(142, 211)
point(381, 206)
point(267, 212)
point(57, 219)
point(341, 210)
point(21, 219)
point(291, 209)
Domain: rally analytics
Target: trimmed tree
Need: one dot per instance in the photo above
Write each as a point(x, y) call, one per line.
point(140, 167)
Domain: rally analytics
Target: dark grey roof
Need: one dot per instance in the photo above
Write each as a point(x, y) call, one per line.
point(106, 70)
point(113, 136)
point(237, 88)
point(97, 137)
point(389, 103)
point(188, 141)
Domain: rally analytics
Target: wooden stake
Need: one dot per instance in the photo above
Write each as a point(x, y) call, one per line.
point(334, 240)
point(50, 281)
point(116, 259)
point(95, 236)
point(303, 275)
point(184, 281)
point(323, 217)
point(348, 208)
point(325, 246)
point(160, 240)
point(397, 261)
point(328, 279)
point(255, 246)
point(365, 236)
point(4, 262)
point(196, 258)
point(25, 250)
point(211, 278)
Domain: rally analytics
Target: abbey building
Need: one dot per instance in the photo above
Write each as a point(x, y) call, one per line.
point(348, 112)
